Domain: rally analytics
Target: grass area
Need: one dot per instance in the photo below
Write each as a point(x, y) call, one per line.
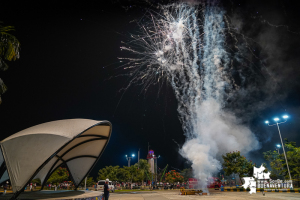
point(36, 189)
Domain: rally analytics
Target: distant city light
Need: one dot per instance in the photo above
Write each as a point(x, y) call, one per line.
point(285, 116)
point(278, 145)
point(276, 119)
point(133, 155)
point(125, 155)
point(266, 122)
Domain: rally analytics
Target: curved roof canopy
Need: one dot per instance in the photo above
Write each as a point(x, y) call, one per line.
point(37, 151)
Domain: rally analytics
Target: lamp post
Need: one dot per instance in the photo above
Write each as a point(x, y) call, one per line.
point(277, 120)
point(278, 146)
point(139, 159)
point(129, 159)
point(156, 168)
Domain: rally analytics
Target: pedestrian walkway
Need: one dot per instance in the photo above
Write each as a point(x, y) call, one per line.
point(60, 194)
point(214, 195)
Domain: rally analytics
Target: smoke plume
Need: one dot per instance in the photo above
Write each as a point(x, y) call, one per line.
point(193, 48)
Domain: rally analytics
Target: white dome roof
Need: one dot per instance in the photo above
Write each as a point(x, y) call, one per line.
point(37, 151)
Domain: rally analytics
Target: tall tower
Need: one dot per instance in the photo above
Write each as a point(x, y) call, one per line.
point(151, 158)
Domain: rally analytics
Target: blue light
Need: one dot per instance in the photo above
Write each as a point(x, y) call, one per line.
point(266, 122)
point(278, 145)
point(285, 116)
point(133, 155)
point(125, 155)
point(276, 119)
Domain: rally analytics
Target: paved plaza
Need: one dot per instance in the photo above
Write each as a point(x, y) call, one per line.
point(51, 195)
point(153, 195)
point(214, 195)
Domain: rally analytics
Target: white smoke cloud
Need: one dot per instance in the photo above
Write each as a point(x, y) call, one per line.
point(217, 133)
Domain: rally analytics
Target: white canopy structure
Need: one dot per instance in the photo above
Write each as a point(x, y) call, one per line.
point(38, 151)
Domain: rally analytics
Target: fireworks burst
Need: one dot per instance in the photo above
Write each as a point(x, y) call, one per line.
point(187, 47)
point(167, 46)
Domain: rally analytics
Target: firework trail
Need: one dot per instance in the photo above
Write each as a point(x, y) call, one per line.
point(186, 46)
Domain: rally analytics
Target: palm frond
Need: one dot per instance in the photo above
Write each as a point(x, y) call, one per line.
point(3, 65)
point(9, 51)
point(3, 87)
point(9, 44)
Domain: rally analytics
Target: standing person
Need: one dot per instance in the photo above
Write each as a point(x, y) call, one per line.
point(30, 187)
point(106, 190)
point(5, 187)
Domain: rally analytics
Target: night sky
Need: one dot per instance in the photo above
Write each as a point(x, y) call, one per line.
point(68, 68)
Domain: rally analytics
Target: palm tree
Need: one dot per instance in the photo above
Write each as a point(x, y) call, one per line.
point(9, 51)
point(144, 168)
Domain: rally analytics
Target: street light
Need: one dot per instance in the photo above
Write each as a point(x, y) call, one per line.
point(278, 146)
point(156, 167)
point(129, 159)
point(277, 120)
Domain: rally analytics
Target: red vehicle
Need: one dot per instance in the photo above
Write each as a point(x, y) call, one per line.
point(213, 182)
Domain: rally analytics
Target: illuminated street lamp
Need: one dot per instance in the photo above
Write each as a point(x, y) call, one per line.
point(278, 146)
point(277, 120)
point(129, 159)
